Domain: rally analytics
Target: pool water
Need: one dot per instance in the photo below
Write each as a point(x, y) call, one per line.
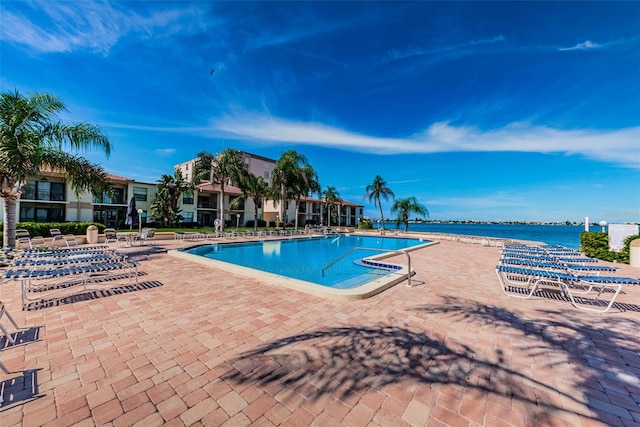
point(305, 258)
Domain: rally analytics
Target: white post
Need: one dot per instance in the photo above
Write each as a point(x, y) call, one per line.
point(586, 223)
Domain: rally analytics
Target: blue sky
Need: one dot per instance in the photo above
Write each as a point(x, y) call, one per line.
point(483, 110)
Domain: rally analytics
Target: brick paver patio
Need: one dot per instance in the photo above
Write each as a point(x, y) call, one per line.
point(198, 346)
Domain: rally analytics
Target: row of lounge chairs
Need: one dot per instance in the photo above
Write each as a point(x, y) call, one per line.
point(524, 269)
point(44, 273)
point(24, 240)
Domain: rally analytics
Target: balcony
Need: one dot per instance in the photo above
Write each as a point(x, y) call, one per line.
point(109, 201)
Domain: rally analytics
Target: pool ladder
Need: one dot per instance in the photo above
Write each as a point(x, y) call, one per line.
point(396, 251)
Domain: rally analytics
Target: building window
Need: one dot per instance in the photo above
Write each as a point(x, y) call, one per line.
point(187, 216)
point(187, 199)
point(29, 191)
point(43, 190)
point(266, 175)
point(106, 200)
point(31, 212)
point(205, 202)
point(140, 194)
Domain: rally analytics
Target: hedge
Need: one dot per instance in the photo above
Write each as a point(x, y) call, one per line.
point(595, 244)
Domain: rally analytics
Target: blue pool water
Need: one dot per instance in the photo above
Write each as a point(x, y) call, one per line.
point(304, 259)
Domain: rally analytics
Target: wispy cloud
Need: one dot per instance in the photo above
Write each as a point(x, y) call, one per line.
point(166, 151)
point(590, 45)
point(501, 199)
point(614, 146)
point(87, 25)
point(583, 46)
point(420, 51)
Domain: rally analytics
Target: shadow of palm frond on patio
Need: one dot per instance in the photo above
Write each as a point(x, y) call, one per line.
point(601, 350)
point(346, 361)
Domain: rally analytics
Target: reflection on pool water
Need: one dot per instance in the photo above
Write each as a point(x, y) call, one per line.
point(304, 258)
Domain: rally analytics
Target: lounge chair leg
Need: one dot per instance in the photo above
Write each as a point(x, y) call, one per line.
point(4, 311)
point(6, 371)
point(7, 334)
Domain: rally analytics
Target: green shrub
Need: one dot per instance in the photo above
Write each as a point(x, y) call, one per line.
point(596, 245)
point(365, 225)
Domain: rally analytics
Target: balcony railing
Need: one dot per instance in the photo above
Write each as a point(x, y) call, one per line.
point(109, 201)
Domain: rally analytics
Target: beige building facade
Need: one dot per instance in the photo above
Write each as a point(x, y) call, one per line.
point(47, 198)
point(203, 206)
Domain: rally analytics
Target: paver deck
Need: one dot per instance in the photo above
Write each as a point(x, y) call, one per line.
point(198, 346)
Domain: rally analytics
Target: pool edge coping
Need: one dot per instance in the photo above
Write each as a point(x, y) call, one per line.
point(363, 291)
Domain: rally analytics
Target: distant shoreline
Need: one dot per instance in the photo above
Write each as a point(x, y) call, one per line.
point(432, 221)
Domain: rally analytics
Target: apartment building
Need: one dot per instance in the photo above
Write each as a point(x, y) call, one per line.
point(47, 198)
point(202, 207)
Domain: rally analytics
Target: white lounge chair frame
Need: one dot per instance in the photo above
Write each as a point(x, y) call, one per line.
point(40, 272)
point(523, 283)
point(57, 235)
point(12, 340)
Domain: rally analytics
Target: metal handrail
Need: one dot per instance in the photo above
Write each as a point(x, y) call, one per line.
point(359, 248)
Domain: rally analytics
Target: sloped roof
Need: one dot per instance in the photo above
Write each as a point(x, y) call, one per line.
point(215, 188)
point(118, 178)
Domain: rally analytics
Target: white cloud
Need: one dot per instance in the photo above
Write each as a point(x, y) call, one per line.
point(418, 51)
point(615, 146)
point(612, 44)
point(583, 46)
point(166, 151)
point(483, 202)
point(88, 25)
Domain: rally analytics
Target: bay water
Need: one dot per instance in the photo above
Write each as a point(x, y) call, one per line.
point(565, 235)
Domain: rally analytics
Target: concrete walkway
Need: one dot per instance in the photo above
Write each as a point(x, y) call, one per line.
point(197, 346)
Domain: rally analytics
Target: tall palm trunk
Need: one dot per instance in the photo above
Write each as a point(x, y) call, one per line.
point(297, 211)
point(9, 205)
point(381, 215)
point(221, 206)
point(255, 216)
point(283, 204)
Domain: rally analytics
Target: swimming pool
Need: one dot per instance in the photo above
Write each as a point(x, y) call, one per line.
point(304, 259)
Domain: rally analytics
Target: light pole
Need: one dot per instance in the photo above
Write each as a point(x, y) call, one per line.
point(237, 221)
point(603, 224)
point(139, 220)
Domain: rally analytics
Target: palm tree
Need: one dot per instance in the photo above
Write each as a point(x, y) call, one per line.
point(223, 169)
point(166, 205)
point(404, 207)
point(255, 188)
point(306, 183)
point(331, 198)
point(284, 177)
point(378, 190)
point(33, 140)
